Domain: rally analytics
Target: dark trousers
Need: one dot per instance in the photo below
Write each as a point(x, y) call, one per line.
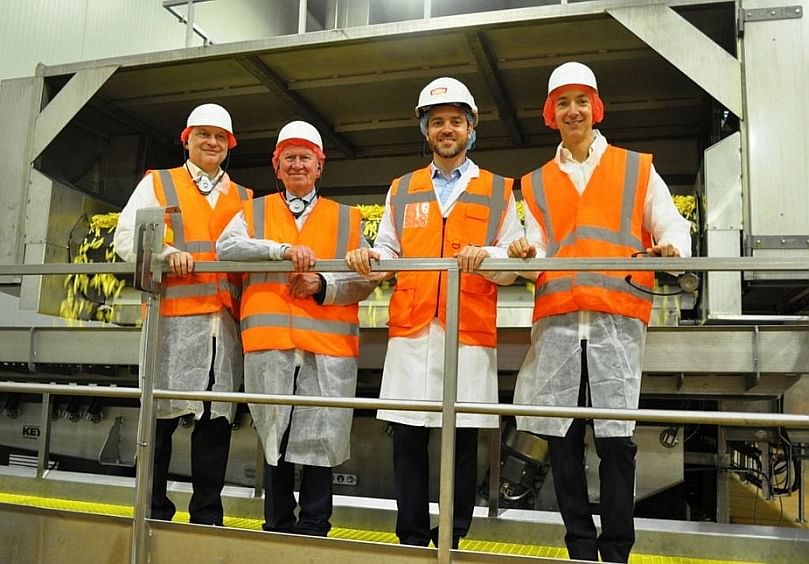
point(210, 445)
point(279, 500)
point(411, 467)
point(617, 476)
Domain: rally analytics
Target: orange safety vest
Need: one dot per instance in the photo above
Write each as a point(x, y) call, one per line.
point(271, 318)
point(195, 229)
point(475, 219)
point(605, 221)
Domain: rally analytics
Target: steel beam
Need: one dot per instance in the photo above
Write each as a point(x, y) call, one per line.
point(278, 87)
point(704, 62)
point(66, 104)
point(487, 63)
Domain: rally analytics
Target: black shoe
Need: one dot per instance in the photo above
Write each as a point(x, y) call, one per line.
point(311, 532)
point(266, 527)
point(206, 522)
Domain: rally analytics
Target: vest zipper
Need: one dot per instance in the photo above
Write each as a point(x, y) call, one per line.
point(443, 238)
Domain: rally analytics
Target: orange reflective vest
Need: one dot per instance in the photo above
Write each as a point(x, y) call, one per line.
point(195, 229)
point(475, 219)
point(605, 221)
point(271, 318)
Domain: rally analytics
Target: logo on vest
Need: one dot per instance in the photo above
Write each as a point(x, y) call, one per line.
point(416, 214)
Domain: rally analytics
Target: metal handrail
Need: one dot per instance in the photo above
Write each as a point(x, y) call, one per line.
point(696, 264)
point(730, 418)
point(448, 407)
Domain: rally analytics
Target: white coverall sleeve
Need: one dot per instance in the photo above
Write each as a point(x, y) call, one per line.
point(537, 237)
point(124, 239)
point(236, 244)
point(347, 288)
point(661, 218)
point(387, 242)
point(509, 231)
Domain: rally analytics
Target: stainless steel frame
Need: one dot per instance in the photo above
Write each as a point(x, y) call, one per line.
point(142, 529)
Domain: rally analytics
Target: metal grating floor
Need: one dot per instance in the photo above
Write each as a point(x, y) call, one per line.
point(350, 534)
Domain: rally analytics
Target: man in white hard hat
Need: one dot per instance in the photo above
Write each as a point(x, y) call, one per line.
point(591, 200)
point(199, 342)
point(450, 208)
point(300, 331)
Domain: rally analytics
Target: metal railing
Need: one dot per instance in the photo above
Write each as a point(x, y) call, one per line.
point(149, 272)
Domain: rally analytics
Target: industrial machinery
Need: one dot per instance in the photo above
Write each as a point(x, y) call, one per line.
point(714, 89)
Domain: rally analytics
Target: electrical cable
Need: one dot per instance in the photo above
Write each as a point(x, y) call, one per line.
point(688, 282)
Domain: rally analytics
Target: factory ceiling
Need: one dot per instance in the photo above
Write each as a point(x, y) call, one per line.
point(359, 87)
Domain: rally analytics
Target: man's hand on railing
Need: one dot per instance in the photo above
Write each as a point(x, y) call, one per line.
point(181, 263)
point(470, 258)
point(667, 250)
point(359, 260)
point(521, 248)
point(303, 258)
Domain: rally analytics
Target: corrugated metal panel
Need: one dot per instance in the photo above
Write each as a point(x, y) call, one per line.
point(124, 27)
point(39, 31)
point(55, 32)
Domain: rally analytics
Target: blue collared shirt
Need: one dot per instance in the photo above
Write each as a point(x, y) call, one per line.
point(443, 185)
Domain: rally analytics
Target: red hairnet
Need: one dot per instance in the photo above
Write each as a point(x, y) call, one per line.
point(276, 155)
point(187, 131)
point(549, 111)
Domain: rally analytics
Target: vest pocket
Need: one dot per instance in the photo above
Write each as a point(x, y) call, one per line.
point(400, 311)
point(478, 304)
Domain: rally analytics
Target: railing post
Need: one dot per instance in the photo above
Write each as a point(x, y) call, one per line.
point(189, 24)
point(146, 430)
point(722, 476)
point(495, 439)
point(447, 483)
point(149, 239)
point(45, 436)
point(801, 471)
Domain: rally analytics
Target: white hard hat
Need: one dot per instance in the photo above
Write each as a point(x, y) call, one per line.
point(446, 90)
point(212, 115)
point(572, 73)
point(300, 130)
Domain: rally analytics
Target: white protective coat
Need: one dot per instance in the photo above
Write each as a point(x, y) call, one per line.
point(186, 351)
point(551, 371)
point(318, 436)
point(186, 342)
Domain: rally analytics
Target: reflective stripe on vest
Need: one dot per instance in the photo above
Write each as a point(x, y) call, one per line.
point(592, 279)
point(343, 224)
point(258, 220)
point(622, 237)
point(198, 290)
point(268, 277)
point(173, 200)
point(343, 229)
point(279, 320)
